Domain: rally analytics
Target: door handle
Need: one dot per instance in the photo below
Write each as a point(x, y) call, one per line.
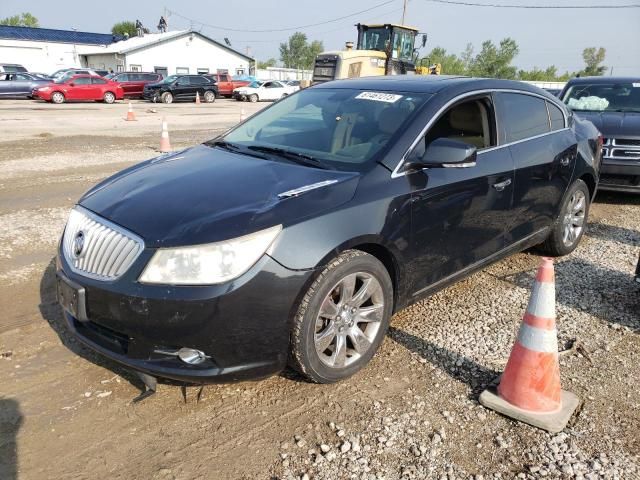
point(502, 185)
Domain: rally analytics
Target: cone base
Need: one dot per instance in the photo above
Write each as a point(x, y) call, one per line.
point(551, 422)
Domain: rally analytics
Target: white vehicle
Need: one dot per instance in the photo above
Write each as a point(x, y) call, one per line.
point(257, 91)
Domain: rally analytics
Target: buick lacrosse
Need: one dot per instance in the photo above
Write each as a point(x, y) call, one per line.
point(294, 237)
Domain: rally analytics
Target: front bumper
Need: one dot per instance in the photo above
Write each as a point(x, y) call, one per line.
point(620, 175)
point(150, 94)
point(243, 326)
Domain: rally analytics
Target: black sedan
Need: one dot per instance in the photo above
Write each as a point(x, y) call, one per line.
point(181, 87)
point(294, 237)
point(20, 84)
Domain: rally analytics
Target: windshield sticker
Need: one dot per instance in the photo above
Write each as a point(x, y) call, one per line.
point(636, 85)
point(379, 97)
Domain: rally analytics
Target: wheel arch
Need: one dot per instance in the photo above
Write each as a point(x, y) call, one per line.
point(591, 183)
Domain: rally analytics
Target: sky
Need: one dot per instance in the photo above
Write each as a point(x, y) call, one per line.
point(545, 37)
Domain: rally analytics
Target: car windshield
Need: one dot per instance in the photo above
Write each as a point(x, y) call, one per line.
point(342, 128)
point(255, 84)
point(604, 97)
point(170, 79)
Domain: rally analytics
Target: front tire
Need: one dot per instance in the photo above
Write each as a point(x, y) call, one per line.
point(167, 97)
point(57, 97)
point(109, 97)
point(568, 229)
point(342, 319)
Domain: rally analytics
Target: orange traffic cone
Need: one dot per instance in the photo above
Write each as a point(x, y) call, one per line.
point(131, 116)
point(197, 98)
point(165, 145)
point(529, 388)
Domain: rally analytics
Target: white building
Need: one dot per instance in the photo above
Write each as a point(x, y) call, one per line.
point(177, 52)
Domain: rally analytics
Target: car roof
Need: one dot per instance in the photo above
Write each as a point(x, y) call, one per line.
point(592, 80)
point(427, 83)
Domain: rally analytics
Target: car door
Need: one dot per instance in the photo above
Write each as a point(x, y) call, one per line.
point(182, 88)
point(124, 80)
point(98, 88)
point(78, 88)
point(199, 84)
point(7, 84)
point(269, 91)
point(459, 214)
point(544, 157)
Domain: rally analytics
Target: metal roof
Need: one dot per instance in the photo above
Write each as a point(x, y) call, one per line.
point(61, 36)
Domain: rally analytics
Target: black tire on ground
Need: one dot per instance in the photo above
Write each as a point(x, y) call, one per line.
point(167, 97)
point(109, 97)
point(564, 236)
point(57, 97)
point(209, 96)
point(253, 98)
point(327, 291)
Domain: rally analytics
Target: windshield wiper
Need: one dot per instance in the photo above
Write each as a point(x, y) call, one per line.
point(232, 147)
point(297, 157)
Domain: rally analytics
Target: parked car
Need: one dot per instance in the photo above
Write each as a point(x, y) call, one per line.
point(181, 87)
point(133, 83)
point(12, 67)
point(553, 91)
point(292, 83)
point(70, 72)
point(269, 90)
point(19, 84)
point(80, 88)
point(613, 105)
point(297, 234)
point(225, 83)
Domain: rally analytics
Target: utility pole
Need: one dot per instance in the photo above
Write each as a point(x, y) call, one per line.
point(404, 10)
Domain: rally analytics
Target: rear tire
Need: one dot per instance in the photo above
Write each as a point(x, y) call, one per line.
point(342, 319)
point(568, 229)
point(253, 98)
point(57, 97)
point(109, 97)
point(167, 98)
point(209, 96)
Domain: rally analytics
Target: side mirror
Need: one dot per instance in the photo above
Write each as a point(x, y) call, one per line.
point(72, 84)
point(424, 40)
point(444, 153)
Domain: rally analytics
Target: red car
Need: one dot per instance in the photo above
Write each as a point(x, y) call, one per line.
point(133, 82)
point(79, 88)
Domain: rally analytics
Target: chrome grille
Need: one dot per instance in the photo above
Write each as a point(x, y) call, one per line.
point(626, 142)
point(622, 149)
point(107, 250)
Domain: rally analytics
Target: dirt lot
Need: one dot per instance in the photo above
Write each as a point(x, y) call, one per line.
point(66, 413)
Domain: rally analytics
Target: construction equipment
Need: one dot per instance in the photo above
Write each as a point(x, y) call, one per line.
point(386, 49)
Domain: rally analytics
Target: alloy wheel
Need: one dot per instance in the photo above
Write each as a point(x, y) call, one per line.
point(574, 217)
point(349, 319)
point(109, 97)
point(209, 96)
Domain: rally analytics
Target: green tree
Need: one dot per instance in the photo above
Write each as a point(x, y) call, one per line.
point(537, 74)
point(24, 19)
point(495, 62)
point(125, 28)
point(592, 59)
point(266, 64)
point(298, 53)
point(451, 63)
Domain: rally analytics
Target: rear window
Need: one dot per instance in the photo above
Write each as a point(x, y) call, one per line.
point(81, 81)
point(556, 117)
point(198, 81)
point(98, 81)
point(523, 116)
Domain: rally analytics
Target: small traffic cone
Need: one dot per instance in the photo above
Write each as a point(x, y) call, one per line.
point(131, 116)
point(165, 145)
point(243, 115)
point(529, 388)
point(197, 98)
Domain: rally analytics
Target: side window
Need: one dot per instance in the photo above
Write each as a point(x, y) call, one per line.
point(183, 81)
point(98, 81)
point(470, 121)
point(523, 116)
point(556, 117)
point(198, 81)
point(21, 77)
point(81, 80)
point(123, 77)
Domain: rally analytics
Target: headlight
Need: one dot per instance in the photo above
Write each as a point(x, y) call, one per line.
point(210, 263)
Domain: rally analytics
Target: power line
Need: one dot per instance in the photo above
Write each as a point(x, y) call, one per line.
point(511, 5)
point(219, 27)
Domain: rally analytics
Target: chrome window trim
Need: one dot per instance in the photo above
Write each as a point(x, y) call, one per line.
point(396, 171)
point(117, 228)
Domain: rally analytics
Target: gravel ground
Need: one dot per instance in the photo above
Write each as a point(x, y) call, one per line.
point(413, 413)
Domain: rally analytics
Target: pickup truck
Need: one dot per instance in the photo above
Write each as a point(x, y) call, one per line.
point(225, 83)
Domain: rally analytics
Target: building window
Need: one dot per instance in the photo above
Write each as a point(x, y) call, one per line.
point(239, 71)
point(136, 68)
point(203, 71)
point(182, 70)
point(119, 68)
point(223, 71)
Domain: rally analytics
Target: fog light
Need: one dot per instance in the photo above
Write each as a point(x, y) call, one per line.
point(191, 356)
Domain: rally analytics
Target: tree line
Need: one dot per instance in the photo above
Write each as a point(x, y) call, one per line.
point(496, 61)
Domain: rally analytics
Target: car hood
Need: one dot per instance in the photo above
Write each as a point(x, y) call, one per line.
point(614, 124)
point(206, 194)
